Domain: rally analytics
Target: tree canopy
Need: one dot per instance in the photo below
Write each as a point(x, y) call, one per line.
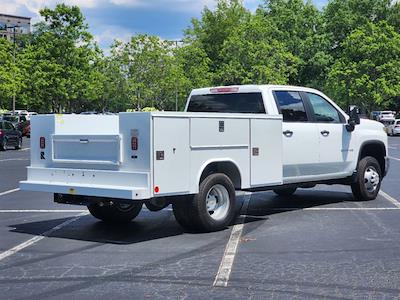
point(350, 49)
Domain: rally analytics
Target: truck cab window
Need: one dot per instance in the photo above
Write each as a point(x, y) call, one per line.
point(251, 103)
point(291, 106)
point(323, 111)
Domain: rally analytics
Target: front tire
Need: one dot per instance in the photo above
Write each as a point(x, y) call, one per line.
point(212, 209)
point(116, 213)
point(368, 182)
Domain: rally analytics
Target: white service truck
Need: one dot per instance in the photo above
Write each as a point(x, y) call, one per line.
point(249, 138)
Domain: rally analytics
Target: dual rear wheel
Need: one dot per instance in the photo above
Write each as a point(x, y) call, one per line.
point(212, 209)
point(115, 213)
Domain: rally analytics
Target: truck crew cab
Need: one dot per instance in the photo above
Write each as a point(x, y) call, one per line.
point(250, 138)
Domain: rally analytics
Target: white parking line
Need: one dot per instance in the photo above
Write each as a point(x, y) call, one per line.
point(14, 159)
point(333, 208)
point(225, 268)
point(390, 198)
point(25, 149)
point(394, 158)
point(9, 192)
point(37, 238)
point(43, 210)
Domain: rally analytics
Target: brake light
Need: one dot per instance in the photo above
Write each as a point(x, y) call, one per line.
point(1, 133)
point(134, 143)
point(42, 142)
point(225, 90)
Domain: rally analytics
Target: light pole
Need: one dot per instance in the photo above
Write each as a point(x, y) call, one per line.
point(14, 91)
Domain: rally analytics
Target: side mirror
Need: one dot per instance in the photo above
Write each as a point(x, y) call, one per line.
point(354, 118)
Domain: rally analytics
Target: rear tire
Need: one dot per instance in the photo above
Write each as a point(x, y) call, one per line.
point(19, 145)
point(181, 212)
point(3, 146)
point(285, 192)
point(116, 213)
point(368, 182)
point(212, 209)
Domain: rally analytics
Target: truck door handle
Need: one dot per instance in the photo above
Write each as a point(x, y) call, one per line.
point(288, 133)
point(325, 133)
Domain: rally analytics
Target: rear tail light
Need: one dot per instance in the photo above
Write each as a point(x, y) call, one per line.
point(1, 132)
point(134, 143)
point(42, 142)
point(397, 126)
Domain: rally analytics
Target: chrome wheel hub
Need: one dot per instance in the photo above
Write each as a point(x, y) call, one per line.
point(371, 179)
point(217, 202)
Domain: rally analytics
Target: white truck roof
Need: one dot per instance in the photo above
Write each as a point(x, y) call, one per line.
point(250, 88)
point(262, 88)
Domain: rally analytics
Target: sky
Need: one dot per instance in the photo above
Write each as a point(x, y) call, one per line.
point(119, 19)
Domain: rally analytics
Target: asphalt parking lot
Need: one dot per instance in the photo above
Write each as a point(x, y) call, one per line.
point(318, 243)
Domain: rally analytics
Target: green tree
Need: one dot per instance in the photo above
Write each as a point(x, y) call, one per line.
point(153, 76)
point(194, 64)
point(299, 26)
point(58, 61)
point(368, 71)
point(10, 75)
point(344, 16)
point(252, 55)
point(215, 27)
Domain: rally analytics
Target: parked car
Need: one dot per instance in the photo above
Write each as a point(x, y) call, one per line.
point(25, 128)
point(394, 129)
point(9, 136)
point(386, 115)
point(15, 119)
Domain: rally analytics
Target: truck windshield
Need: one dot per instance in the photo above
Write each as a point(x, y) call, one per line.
point(251, 103)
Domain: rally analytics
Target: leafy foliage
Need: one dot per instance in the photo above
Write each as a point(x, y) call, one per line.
point(350, 49)
point(368, 72)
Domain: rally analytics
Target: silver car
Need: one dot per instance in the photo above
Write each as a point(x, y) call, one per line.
point(394, 129)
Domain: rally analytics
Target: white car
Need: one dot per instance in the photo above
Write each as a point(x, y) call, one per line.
point(394, 129)
point(385, 116)
point(249, 138)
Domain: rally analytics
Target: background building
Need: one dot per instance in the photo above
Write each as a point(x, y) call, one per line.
point(8, 23)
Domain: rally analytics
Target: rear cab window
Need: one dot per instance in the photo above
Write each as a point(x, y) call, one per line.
point(249, 103)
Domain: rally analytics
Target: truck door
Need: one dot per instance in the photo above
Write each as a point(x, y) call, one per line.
point(171, 155)
point(300, 137)
point(336, 152)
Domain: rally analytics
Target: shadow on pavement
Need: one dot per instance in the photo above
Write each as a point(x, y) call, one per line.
point(151, 226)
point(264, 204)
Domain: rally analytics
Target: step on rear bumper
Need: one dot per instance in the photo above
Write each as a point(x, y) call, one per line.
point(98, 183)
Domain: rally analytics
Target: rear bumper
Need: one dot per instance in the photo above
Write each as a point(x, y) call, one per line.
point(110, 184)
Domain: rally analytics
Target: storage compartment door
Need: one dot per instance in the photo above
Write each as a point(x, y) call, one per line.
point(171, 155)
point(266, 152)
